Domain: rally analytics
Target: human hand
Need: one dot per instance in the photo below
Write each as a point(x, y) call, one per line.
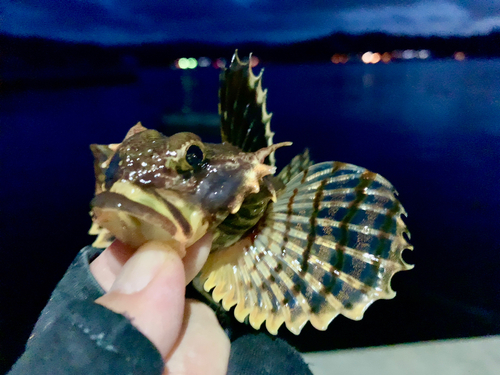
point(148, 287)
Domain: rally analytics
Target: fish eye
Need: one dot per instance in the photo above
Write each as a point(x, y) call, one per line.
point(110, 173)
point(194, 156)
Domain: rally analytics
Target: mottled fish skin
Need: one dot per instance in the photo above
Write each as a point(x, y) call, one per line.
point(313, 242)
point(173, 189)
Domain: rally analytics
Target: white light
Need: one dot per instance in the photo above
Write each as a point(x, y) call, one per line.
point(423, 54)
point(409, 54)
point(367, 57)
point(203, 62)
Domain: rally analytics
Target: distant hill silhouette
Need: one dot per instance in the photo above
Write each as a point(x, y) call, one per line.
point(36, 61)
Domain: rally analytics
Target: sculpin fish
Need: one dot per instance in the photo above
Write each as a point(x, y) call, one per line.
point(306, 244)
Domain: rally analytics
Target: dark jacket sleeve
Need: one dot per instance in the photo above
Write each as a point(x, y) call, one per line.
point(74, 335)
point(260, 354)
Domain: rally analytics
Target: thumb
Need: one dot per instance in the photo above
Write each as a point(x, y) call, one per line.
point(150, 291)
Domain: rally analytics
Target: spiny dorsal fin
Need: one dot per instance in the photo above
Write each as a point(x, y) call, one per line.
point(245, 122)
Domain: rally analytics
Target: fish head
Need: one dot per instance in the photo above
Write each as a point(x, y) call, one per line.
point(172, 189)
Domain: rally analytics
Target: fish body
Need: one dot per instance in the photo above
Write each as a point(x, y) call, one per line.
point(307, 244)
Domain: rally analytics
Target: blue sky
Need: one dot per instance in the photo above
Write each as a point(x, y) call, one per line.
point(230, 21)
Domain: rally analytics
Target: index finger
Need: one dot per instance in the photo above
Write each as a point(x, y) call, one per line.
point(109, 264)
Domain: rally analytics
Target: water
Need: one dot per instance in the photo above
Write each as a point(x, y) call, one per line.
point(432, 128)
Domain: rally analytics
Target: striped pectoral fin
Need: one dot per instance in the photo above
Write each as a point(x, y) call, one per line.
point(330, 246)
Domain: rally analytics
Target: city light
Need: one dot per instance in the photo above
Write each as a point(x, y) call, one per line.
point(397, 54)
point(339, 58)
point(254, 61)
point(192, 63)
point(424, 54)
point(371, 58)
point(204, 62)
point(409, 54)
point(367, 57)
point(219, 63)
point(386, 57)
point(459, 56)
point(186, 63)
point(183, 63)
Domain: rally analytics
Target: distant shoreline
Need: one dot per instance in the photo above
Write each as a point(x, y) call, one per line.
point(40, 51)
point(32, 62)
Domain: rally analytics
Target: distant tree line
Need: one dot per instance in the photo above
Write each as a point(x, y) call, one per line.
point(35, 53)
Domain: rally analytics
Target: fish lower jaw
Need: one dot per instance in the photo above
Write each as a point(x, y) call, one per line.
point(135, 216)
point(136, 231)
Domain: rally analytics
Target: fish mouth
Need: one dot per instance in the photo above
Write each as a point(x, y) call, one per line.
point(135, 216)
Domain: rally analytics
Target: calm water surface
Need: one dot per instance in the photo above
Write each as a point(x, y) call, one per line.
point(431, 128)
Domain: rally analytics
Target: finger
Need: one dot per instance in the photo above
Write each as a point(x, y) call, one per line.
point(203, 347)
point(149, 291)
point(108, 265)
point(196, 256)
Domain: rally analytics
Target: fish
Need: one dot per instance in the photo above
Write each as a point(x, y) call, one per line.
point(307, 244)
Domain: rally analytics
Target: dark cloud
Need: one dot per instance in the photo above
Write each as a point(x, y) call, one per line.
point(481, 8)
point(134, 21)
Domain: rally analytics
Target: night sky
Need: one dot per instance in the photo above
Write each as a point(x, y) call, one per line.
point(229, 21)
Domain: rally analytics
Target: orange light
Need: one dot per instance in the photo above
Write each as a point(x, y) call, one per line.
point(375, 58)
point(386, 57)
point(340, 58)
point(459, 56)
point(344, 59)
